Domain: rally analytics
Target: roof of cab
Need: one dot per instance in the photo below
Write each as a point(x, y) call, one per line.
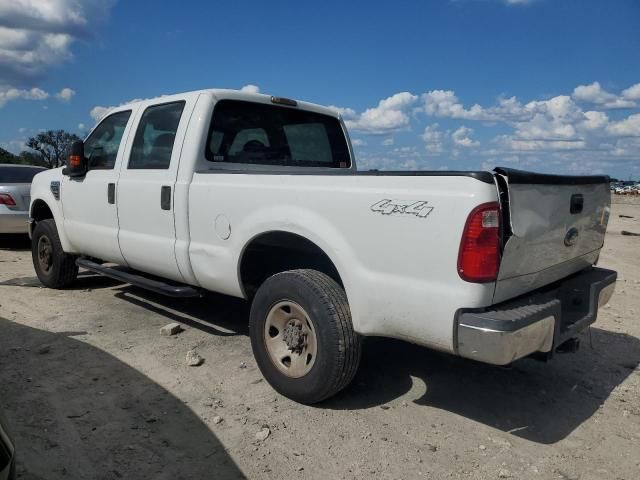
point(223, 93)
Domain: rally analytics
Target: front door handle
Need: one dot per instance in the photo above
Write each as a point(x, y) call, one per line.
point(165, 197)
point(111, 193)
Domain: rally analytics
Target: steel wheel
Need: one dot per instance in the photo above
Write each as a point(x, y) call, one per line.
point(45, 254)
point(290, 339)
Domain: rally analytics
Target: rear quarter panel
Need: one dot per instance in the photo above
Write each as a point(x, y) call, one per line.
point(399, 269)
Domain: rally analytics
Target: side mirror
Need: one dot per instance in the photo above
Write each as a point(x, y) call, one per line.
point(77, 163)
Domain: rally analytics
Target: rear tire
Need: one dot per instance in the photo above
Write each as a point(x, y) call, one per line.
point(302, 336)
point(55, 269)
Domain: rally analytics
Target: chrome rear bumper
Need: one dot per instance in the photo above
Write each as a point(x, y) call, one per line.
point(537, 322)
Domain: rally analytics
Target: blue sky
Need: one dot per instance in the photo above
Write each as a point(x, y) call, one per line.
point(546, 85)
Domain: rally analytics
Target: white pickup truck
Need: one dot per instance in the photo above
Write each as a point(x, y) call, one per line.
point(259, 197)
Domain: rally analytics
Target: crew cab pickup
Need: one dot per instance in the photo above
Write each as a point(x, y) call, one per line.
point(260, 197)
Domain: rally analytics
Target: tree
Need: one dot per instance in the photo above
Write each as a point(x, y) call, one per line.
point(7, 157)
point(52, 146)
point(31, 158)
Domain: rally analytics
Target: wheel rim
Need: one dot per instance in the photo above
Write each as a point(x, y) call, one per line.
point(45, 254)
point(290, 339)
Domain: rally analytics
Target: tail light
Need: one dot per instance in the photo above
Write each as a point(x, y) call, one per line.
point(479, 256)
point(6, 199)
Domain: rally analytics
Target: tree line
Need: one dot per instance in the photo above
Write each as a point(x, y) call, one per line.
point(46, 149)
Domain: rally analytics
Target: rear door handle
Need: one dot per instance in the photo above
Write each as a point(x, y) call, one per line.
point(111, 193)
point(165, 197)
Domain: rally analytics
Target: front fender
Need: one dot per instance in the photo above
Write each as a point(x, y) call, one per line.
point(41, 192)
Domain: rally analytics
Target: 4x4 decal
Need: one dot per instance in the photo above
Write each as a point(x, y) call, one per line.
point(417, 208)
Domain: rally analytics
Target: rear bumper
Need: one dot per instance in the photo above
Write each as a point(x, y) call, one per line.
point(14, 221)
point(537, 322)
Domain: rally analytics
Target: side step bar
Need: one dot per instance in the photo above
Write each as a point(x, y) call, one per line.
point(158, 286)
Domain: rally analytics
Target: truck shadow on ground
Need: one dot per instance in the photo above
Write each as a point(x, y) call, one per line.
point(78, 412)
point(540, 402)
point(213, 313)
point(85, 281)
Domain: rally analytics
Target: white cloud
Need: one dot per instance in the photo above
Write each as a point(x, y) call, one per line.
point(445, 103)
point(594, 120)
point(462, 137)
point(358, 142)
point(629, 127)
point(9, 93)
point(36, 34)
point(389, 116)
point(346, 113)
point(250, 89)
point(66, 94)
point(518, 2)
point(98, 112)
point(82, 127)
point(433, 139)
point(510, 143)
point(632, 93)
point(387, 141)
point(595, 94)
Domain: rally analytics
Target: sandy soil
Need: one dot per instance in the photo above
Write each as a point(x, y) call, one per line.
point(94, 392)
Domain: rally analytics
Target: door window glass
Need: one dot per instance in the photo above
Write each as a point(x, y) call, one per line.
point(153, 144)
point(101, 148)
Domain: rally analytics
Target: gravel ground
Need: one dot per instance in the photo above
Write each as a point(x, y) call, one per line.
point(94, 391)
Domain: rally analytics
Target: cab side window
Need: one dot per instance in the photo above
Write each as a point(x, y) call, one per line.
point(101, 148)
point(156, 134)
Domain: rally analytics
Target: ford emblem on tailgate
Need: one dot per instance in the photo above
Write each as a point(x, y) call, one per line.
point(571, 237)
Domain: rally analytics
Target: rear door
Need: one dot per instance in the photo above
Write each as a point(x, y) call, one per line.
point(146, 190)
point(555, 226)
point(88, 203)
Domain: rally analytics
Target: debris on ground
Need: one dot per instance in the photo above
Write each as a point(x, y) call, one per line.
point(194, 359)
point(171, 329)
point(217, 419)
point(632, 234)
point(625, 216)
point(44, 349)
point(263, 434)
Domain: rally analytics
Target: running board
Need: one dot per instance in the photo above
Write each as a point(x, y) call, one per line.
point(137, 280)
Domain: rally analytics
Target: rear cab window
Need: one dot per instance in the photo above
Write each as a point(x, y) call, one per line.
point(259, 134)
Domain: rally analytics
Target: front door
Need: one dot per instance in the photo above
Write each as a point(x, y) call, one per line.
point(88, 203)
point(146, 189)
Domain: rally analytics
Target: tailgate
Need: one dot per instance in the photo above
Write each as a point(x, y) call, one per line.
point(554, 226)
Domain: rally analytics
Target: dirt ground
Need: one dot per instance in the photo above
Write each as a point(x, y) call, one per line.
point(94, 392)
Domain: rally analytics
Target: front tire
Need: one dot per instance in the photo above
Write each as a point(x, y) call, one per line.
point(55, 269)
point(302, 336)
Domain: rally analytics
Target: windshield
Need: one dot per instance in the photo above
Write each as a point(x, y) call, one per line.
point(255, 133)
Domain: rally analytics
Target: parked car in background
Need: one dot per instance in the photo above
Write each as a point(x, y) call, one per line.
point(7, 453)
point(15, 186)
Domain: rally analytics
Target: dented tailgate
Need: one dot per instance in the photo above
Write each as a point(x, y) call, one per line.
point(553, 226)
